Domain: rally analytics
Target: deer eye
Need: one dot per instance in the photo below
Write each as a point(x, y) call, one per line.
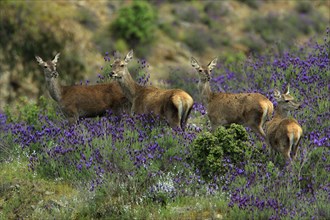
point(122, 65)
point(45, 66)
point(287, 100)
point(200, 71)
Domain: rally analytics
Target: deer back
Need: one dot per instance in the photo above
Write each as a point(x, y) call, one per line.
point(94, 100)
point(237, 108)
point(158, 100)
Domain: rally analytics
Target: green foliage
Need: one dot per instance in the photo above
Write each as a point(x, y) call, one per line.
point(314, 165)
point(135, 23)
point(206, 155)
point(28, 112)
point(24, 194)
point(251, 3)
point(233, 141)
point(209, 150)
point(304, 7)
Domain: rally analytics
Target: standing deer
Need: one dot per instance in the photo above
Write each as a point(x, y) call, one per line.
point(174, 105)
point(283, 133)
point(82, 100)
point(248, 109)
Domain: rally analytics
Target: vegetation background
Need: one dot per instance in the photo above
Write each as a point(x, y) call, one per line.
point(136, 167)
point(165, 33)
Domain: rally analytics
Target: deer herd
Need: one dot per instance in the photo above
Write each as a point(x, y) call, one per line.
point(123, 94)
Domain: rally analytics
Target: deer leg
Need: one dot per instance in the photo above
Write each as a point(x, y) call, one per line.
point(261, 131)
point(258, 130)
point(295, 149)
point(71, 114)
point(185, 119)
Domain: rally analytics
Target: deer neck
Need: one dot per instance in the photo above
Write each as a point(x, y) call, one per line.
point(280, 113)
point(129, 86)
point(205, 91)
point(54, 88)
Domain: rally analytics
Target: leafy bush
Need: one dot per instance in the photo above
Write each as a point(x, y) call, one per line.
point(135, 23)
point(303, 7)
point(201, 156)
point(233, 141)
point(209, 150)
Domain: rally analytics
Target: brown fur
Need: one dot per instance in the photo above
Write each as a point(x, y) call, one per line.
point(248, 109)
point(166, 103)
point(83, 100)
point(281, 128)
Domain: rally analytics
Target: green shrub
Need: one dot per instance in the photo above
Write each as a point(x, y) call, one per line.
point(28, 112)
point(209, 150)
point(233, 140)
point(251, 3)
point(135, 23)
point(206, 154)
point(303, 7)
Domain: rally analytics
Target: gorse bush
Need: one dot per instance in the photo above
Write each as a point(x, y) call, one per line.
point(135, 23)
point(208, 151)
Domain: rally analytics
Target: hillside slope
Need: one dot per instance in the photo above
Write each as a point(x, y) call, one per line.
point(80, 31)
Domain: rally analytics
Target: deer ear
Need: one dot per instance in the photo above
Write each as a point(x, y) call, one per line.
point(287, 90)
point(56, 58)
point(194, 63)
point(277, 94)
point(212, 64)
point(129, 56)
point(39, 60)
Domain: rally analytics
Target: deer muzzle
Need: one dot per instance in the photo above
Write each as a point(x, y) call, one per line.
point(112, 74)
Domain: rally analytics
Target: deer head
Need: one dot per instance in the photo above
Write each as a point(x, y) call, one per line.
point(286, 102)
point(119, 67)
point(49, 66)
point(204, 72)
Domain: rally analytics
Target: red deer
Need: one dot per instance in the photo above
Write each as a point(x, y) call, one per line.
point(174, 105)
point(282, 133)
point(248, 109)
point(82, 100)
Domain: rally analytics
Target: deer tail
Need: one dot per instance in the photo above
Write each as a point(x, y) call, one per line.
point(188, 103)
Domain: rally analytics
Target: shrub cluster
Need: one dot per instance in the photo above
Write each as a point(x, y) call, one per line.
point(209, 152)
point(135, 24)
